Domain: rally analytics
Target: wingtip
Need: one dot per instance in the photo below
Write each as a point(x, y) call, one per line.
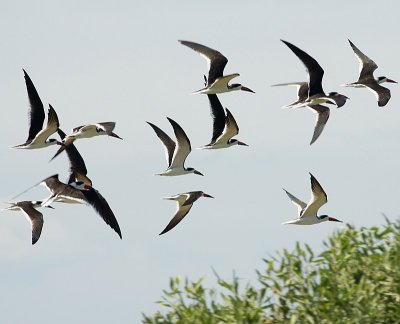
point(351, 43)
point(285, 42)
point(62, 149)
point(172, 122)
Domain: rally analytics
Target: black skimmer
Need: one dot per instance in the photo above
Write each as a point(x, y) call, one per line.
point(184, 204)
point(87, 131)
point(38, 135)
point(302, 95)
point(217, 82)
point(176, 153)
point(322, 112)
point(224, 126)
point(366, 78)
point(308, 212)
point(81, 193)
point(316, 94)
point(31, 214)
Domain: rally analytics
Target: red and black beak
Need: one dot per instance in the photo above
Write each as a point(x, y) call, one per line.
point(241, 143)
point(246, 89)
point(331, 219)
point(115, 135)
point(390, 81)
point(197, 172)
point(207, 195)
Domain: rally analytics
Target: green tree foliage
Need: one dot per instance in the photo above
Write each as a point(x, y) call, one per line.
point(355, 279)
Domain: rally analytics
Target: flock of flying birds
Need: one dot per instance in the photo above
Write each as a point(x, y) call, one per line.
point(79, 189)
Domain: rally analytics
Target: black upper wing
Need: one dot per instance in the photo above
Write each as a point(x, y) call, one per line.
point(315, 71)
point(98, 202)
point(36, 111)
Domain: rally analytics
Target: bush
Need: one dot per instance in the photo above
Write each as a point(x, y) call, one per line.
point(355, 279)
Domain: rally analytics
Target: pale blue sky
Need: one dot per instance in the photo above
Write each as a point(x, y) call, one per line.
point(104, 61)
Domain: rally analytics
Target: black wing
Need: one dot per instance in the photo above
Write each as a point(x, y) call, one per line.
point(315, 71)
point(168, 143)
point(179, 215)
point(36, 112)
point(218, 115)
point(215, 59)
point(382, 94)
point(77, 168)
point(35, 217)
point(100, 205)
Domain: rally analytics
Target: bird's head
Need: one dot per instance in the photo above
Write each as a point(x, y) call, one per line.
point(236, 142)
point(192, 170)
point(38, 203)
point(326, 218)
point(238, 86)
point(80, 185)
point(53, 141)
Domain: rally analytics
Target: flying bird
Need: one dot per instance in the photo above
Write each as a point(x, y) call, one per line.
point(217, 82)
point(176, 153)
point(224, 126)
point(184, 204)
point(367, 80)
point(308, 212)
point(322, 112)
point(316, 94)
point(35, 217)
point(87, 131)
point(302, 95)
point(79, 193)
point(38, 136)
